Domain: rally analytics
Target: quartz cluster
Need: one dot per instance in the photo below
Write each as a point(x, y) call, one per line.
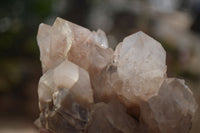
point(86, 87)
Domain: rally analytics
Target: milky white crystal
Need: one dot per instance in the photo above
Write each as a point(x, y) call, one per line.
point(136, 72)
point(64, 78)
point(140, 65)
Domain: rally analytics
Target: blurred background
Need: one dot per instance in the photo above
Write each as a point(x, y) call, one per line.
point(174, 23)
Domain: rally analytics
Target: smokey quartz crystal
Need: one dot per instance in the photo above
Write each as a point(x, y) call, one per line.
point(86, 87)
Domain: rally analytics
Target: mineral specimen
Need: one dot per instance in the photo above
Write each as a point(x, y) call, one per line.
point(87, 87)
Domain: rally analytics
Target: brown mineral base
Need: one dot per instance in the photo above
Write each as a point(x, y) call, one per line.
point(86, 87)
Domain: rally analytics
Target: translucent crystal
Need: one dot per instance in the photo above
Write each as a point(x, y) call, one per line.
point(135, 73)
point(140, 62)
point(64, 78)
point(100, 38)
point(114, 120)
point(43, 39)
point(67, 40)
point(171, 110)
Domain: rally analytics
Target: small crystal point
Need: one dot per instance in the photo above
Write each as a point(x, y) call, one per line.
point(100, 38)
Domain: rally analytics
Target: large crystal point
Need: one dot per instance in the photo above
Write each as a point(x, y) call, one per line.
point(55, 83)
point(140, 62)
point(135, 73)
point(171, 110)
point(88, 88)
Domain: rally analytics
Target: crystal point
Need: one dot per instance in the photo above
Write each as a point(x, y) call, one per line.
point(171, 110)
point(141, 65)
